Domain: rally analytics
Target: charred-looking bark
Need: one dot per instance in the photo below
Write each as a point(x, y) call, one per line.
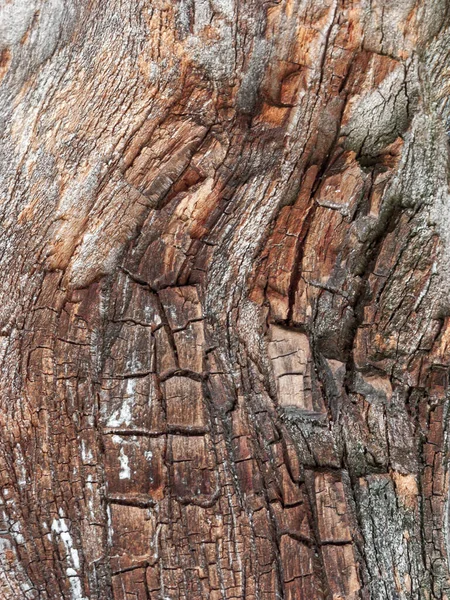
point(224, 299)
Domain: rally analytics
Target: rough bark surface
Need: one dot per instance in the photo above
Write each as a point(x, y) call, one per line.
point(224, 308)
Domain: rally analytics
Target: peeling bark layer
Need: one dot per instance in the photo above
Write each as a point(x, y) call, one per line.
point(224, 316)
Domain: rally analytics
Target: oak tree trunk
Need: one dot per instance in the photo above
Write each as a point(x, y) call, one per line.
point(224, 299)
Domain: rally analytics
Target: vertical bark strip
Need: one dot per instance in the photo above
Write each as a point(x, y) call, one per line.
point(224, 314)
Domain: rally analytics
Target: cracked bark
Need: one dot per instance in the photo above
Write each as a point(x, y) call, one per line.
point(224, 316)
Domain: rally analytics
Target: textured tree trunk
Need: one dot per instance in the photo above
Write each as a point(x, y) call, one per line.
point(224, 299)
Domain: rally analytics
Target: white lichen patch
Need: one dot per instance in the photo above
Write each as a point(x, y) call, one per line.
point(60, 528)
point(86, 453)
point(90, 494)
point(15, 530)
point(124, 415)
point(125, 471)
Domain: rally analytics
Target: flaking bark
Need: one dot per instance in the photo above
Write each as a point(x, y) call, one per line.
point(224, 315)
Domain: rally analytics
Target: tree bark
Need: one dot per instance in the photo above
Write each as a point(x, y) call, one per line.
point(224, 315)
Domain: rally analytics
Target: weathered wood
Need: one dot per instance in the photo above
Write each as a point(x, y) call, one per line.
point(224, 315)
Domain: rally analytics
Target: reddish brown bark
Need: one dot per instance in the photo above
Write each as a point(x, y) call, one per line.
point(224, 307)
